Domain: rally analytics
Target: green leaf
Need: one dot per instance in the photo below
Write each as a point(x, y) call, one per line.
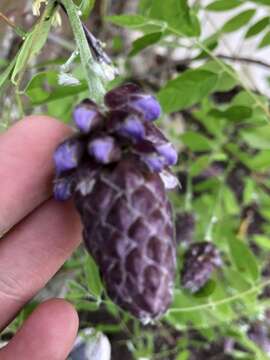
point(184, 355)
point(187, 89)
point(229, 201)
point(177, 15)
point(86, 7)
point(265, 40)
point(221, 5)
point(258, 138)
point(238, 21)
point(145, 41)
point(5, 75)
point(226, 81)
point(196, 141)
point(249, 191)
point(263, 241)
point(144, 6)
point(33, 43)
point(44, 88)
point(199, 164)
point(129, 20)
point(262, 2)
point(256, 28)
point(206, 290)
point(210, 43)
point(93, 279)
point(234, 113)
point(261, 161)
point(243, 259)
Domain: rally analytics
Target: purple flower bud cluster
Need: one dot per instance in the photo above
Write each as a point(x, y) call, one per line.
point(200, 261)
point(126, 127)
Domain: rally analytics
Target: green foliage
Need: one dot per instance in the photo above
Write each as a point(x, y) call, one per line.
point(145, 41)
point(187, 89)
point(221, 5)
point(86, 7)
point(177, 15)
point(258, 27)
point(238, 21)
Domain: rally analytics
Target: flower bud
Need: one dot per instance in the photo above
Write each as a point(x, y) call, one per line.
point(104, 150)
point(68, 154)
point(154, 162)
point(62, 188)
point(132, 127)
point(146, 105)
point(119, 96)
point(199, 262)
point(86, 116)
point(168, 152)
point(130, 98)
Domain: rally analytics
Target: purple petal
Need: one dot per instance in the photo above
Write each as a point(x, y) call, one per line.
point(132, 127)
point(86, 116)
point(67, 155)
point(147, 105)
point(62, 189)
point(168, 152)
point(154, 162)
point(104, 150)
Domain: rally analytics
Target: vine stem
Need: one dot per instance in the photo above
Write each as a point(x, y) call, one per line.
point(226, 300)
point(92, 70)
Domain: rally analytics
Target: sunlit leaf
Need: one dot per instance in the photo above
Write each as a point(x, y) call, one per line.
point(222, 5)
point(238, 21)
point(187, 89)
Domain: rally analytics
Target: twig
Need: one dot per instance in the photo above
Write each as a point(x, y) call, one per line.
point(10, 23)
point(244, 59)
point(187, 61)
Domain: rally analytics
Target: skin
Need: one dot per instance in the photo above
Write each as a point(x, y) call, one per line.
point(37, 234)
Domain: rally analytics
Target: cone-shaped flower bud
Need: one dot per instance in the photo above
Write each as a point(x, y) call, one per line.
point(168, 152)
point(132, 127)
point(199, 262)
point(119, 189)
point(68, 154)
point(104, 149)
point(86, 116)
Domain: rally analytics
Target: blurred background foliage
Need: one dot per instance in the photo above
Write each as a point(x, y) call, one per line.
point(208, 63)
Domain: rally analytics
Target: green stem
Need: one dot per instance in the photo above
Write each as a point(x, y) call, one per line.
point(19, 103)
point(223, 301)
point(93, 77)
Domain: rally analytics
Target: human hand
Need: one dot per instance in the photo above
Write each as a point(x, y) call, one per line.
point(43, 235)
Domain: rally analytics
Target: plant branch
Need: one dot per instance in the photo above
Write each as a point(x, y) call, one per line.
point(244, 59)
point(92, 72)
point(10, 23)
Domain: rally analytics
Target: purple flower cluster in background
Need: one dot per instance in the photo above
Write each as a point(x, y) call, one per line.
point(105, 136)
